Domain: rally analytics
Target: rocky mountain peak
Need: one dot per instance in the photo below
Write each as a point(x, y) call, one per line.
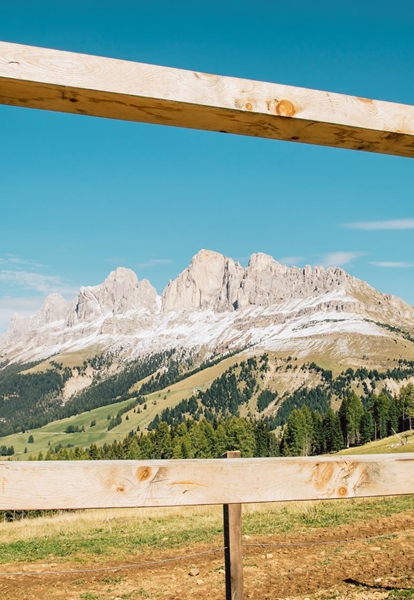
point(119, 277)
point(208, 304)
point(216, 282)
point(54, 308)
point(119, 293)
point(262, 262)
point(210, 282)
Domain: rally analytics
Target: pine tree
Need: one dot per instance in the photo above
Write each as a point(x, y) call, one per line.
point(240, 436)
point(162, 442)
point(93, 452)
point(366, 427)
point(182, 448)
point(406, 401)
point(333, 438)
point(393, 417)
point(146, 447)
point(263, 439)
point(379, 406)
point(221, 441)
point(318, 443)
point(350, 414)
point(296, 434)
point(308, 431)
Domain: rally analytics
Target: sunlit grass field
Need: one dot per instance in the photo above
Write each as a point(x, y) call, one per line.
point(99, 534)
point(400, 443)
point(54, 434)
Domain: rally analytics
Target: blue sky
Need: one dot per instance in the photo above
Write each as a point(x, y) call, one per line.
point(81, 196)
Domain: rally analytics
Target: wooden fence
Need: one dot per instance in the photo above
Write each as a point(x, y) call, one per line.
point(91, 85)
point(104, 87)
point(231, 482)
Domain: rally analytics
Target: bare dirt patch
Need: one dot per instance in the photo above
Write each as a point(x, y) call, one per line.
point(308, 568)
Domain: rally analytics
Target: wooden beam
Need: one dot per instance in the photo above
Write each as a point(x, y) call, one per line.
point(99, 484)
point(103, 87)
point(233, 549)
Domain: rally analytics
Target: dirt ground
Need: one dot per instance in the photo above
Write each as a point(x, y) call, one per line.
point(361, 570)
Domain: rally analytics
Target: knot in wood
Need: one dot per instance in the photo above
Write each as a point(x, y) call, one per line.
point(365, 100)
point(144, 473)
point(342, 491)
point(285, 108)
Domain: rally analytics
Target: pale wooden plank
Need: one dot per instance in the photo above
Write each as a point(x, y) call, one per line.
point(99, 484)
point(90, 85)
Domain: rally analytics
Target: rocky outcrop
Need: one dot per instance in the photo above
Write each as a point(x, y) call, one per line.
point(213, 281)
point(120, 293)
point(52, 311)
point(216, 304)
point(267, 282)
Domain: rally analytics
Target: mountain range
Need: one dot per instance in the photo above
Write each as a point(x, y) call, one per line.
point(215, 306)
point(222, 341)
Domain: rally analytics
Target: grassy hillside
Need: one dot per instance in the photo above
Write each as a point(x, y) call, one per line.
point(54, 434)
point(283, 375)
point(403, 442)
point(238, 381)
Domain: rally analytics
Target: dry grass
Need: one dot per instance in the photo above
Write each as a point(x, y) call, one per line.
point(122, 554)
point(389, 445)
point(69, 359)
point(79, 523)
point(116, 533)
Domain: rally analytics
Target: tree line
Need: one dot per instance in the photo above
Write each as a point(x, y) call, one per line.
point(356, 423)
point(306, 433)
point(190, 439)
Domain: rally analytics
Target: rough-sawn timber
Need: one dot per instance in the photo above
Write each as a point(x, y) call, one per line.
point(135, 483)
point(103, 87)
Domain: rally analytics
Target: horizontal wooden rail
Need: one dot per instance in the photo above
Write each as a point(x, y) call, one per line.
point(103, 87)
point(102, 484)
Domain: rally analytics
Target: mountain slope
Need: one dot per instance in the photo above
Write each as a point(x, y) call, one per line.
point(221, 341)
point(261, 389)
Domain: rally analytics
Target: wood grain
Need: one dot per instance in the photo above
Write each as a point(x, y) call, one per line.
point(104, 87)
point(233, 548)
point(99, 484)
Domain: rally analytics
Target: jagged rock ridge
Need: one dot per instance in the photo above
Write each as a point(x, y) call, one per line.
point(215, 303)
point(120, 293)
point(213, 281)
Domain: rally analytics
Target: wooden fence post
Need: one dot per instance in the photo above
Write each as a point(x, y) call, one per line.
point(233, 555)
